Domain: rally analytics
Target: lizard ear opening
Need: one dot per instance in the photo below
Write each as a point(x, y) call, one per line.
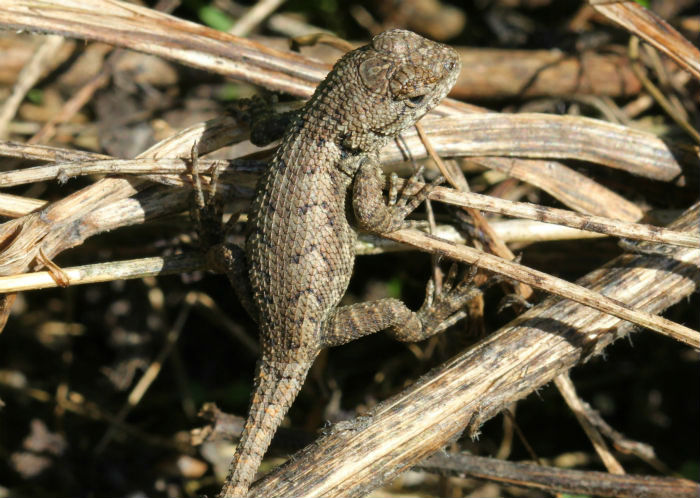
point(415, 101)
point(374, 73)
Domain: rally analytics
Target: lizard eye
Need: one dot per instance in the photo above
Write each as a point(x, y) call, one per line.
point(415, 101)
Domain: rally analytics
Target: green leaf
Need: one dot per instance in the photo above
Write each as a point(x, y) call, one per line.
point(215, 18)
point(35, 96)
point(229, 92)
point(393, 288)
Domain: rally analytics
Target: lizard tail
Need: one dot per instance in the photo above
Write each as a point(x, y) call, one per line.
point(276, 386)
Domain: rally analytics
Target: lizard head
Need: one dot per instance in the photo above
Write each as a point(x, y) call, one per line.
point(398, 77)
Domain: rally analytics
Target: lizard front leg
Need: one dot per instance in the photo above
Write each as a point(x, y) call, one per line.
point(373, 213)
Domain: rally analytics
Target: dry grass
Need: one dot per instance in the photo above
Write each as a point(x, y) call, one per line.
point(578, 162)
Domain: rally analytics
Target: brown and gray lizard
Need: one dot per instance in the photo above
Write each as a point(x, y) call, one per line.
point(299, 253)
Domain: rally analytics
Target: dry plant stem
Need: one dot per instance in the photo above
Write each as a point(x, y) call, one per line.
point(56, 272)
point(459, 183)
point(470, 200)
point(568, 392)
point(547, 136)
point(141, 29)
point(254, 16)
point(173, 166)
point(514, 231)
point(521, 231)
point(658, 95)
point(144, 166)
point(563, 217)
point(151, 204)
point(476, 201)
point(527, 73)
point(15, 206)
point(546, 282)
point(554, 480)
point(356, 457)
point(105, 272)
point(54, 228)
point(30, 74)
point(188, 43)
point(46, 153)
point(68, 222)
point(457, 180)
point(652, 29)
point(570, 187)
point(648, 155)
point(510, 135)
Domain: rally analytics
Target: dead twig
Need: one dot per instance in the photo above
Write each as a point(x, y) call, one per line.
point(568, 391)
point(554, 480)
point(652, 29)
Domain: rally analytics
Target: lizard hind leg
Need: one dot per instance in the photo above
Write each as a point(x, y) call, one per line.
point(439, 310)
point(277, 383)
point(206, 210)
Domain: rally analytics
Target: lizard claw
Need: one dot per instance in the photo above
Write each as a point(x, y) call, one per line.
point(414, 192)
point(206, 210)
point(439, 308)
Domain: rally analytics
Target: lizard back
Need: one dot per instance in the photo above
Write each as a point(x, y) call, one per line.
point(300, 246)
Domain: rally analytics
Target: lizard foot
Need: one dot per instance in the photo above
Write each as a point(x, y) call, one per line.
point(442, 309)
point(413, 193)
point(205, 210)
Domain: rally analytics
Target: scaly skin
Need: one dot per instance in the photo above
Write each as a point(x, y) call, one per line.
point(299, 253)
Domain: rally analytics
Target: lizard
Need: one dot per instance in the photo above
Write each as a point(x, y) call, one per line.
point(324, 180)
